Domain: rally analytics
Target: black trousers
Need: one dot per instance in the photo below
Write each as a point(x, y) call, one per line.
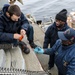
point(30, 34)
point(59, 73)
point(51, 61)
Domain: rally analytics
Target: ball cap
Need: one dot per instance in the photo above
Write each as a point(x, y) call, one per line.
point(69, 34)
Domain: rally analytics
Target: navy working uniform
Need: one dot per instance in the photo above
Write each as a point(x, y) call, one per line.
point(64, 52)
point(9, 27)
point(51, 34)
point(64, 57)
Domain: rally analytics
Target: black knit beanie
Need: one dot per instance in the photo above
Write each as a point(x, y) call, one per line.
point(62, 15)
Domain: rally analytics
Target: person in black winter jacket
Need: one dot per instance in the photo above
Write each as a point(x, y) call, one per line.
point(51, 36)
point(13, 25)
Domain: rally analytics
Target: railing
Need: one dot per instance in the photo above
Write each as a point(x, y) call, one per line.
point(14, 71)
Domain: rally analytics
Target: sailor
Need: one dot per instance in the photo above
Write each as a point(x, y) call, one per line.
point(64, 50)
point(13, 25)
point(51, 36)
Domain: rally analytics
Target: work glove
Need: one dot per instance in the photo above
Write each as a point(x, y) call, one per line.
point(39, 50)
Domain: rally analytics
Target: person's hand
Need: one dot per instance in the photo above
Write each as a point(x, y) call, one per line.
point(17, 36)
point(22, 32)
point(21, 38)
point(39, 50)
